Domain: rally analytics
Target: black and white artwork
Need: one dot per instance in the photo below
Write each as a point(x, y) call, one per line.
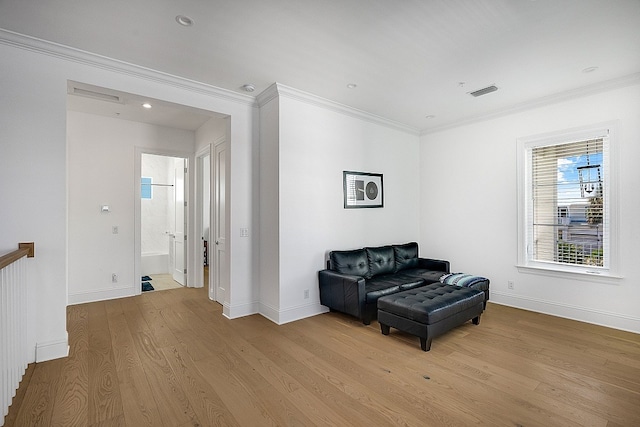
point(362, 190)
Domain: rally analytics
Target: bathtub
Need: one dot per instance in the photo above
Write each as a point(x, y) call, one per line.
point(154, 263)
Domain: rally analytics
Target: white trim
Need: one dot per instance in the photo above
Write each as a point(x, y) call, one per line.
point(68, 53)
point(280, 317)
point(581, 314)
point(198, 275)
point(523, 171)
point(240, 310)
point(556, 98)
point(103, 294)
point(577, 274)
point(278, 89)
point(137, 208)
point(52, 349)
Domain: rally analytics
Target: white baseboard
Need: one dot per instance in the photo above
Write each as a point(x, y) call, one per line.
point(567, 311)
point(292, 314)
point(240, 310)
point(52, 349)
point(100, 295)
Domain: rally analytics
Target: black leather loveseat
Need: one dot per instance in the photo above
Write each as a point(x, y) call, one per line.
point(355, 279)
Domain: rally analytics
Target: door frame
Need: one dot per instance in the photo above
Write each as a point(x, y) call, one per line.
point(189, 197)
point(215, 293)
point(199, 220)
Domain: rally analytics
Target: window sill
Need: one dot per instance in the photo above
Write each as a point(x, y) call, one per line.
point(591, 276)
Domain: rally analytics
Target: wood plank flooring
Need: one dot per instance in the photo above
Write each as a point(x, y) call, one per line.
point(171, 359)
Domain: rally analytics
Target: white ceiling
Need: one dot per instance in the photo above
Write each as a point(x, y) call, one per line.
point(407, 57)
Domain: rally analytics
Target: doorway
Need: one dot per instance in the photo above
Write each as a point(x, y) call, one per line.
point(211, 166)
point(203, 217)
point(163, 221)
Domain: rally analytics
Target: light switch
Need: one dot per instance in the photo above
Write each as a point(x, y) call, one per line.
point(104, 208)
point(114, 229)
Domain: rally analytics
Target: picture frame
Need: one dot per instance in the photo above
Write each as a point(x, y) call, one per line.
point(362, 190)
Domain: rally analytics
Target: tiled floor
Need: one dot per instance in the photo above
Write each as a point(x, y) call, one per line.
point(161, 282)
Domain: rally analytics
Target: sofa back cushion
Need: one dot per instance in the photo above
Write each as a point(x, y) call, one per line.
point(381, 260)
point(406, 256)
point(354, 262)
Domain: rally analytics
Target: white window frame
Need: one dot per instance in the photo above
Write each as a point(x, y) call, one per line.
point(526, 263)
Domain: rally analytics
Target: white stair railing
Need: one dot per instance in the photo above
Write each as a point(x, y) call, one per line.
point(14, 353)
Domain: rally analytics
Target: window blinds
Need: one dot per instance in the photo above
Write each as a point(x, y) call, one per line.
point(569, 220)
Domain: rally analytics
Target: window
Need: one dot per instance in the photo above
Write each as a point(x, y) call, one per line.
point(146, 189)
point(566, 202)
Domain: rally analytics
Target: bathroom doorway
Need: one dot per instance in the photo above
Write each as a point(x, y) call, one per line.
point(163, 217)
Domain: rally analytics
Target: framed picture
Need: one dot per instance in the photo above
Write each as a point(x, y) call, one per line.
point(362, 190)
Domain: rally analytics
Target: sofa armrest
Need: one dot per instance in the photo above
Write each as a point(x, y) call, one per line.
point(434, 264)
point(342, 292)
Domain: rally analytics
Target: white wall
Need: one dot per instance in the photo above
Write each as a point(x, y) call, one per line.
point(101, 171)
point(269, 209)
point(469, 207)
point(305, 147)
point(33, 188)
point(34, 160)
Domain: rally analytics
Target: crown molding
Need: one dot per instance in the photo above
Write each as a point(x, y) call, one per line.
point(267, 95)
point(278, 89)
point(580, 92)
point(68, 53)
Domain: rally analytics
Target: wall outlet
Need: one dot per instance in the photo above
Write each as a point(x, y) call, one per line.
point(510, 284)
point(244, 232)
point(306, 294)
point(114, 278)
point(114, 229)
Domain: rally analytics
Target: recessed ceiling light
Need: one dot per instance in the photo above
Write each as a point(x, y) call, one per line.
point(185, 21)
point(146, 105)
point(430, 116)
point(248, 88)
point(589, 69)
point(352, 85)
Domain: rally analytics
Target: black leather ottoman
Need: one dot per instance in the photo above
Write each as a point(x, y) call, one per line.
point(430, 310)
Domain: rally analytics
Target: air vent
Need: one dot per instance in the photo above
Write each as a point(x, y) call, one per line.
point(483, 91)
point(96, 95)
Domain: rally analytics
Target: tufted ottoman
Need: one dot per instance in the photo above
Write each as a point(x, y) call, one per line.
point(430, 310)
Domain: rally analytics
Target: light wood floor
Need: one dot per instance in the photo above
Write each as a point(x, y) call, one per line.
point(171, 359)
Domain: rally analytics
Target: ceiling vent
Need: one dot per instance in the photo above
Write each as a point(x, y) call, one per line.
point(484, 91)
point(97, 95)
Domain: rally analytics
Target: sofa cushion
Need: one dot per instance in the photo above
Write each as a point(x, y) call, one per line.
point(354, 262)
point(375, 289)
point(409, 282)
point(429, 276)
point(406, 255)
point(381, 260)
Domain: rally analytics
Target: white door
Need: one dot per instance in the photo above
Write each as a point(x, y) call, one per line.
point(179, 247)
point(220, 276)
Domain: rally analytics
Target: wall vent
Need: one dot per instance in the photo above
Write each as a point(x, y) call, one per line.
point(97, 95)
point(484, 91)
